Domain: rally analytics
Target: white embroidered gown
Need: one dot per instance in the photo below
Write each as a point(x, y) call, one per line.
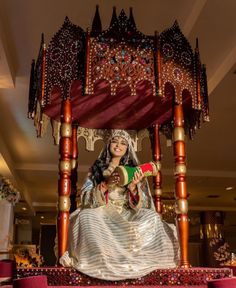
point(120, 239)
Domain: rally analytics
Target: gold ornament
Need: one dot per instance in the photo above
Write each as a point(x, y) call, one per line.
point(178, 134)
point(65, 166)
point(181, 206)
point(64, 203)
point(73, 163)
point(157, 192)
point(66, 130)
point(180, 169)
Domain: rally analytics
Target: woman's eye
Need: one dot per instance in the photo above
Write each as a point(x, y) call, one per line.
point(116, 141)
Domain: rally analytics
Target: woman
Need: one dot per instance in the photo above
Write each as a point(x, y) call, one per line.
point(118, 234)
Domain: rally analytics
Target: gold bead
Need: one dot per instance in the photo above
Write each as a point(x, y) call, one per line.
point(157, 192)
point(65, 166)
point(73, 163)
point(64, 203)
point(180, 169)
point(178, 134)
point(66, 130)
point(158, 165)
point(182, 219)
point(181, 206)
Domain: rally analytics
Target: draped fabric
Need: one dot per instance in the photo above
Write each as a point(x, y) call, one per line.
point(119, 239)
point(6, 225)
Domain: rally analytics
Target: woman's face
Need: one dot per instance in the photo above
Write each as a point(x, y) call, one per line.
point(118, 146)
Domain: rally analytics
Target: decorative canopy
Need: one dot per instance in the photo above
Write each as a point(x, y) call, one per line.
point(118, 78)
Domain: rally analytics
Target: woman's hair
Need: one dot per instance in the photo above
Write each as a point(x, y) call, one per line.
point(103, 161)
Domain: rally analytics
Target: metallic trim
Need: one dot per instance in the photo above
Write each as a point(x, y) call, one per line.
point(157, 192)
point(66, 130)
point(181, 206)
point(156, 165)
point(183, 219)
point(73, 163)
point(64, 203)
point(65, 165)
point(178, 134)
point(180, 169)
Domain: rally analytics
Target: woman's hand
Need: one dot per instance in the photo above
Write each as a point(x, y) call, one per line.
point(113, 179)
point(138, 176)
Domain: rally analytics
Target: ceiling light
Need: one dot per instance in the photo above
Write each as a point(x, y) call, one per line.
point(213, 196)
point(24, 208)
point(229, 188)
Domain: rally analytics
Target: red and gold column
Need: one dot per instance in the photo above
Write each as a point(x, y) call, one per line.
point(74, 166)
point(180, 184)
point(64, 182)
point(157, 180)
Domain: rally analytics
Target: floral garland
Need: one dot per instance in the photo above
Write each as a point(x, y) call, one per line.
point(222, 254)
point(8, 191)
point(27, 258)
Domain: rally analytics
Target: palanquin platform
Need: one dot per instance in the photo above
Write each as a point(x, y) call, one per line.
point(196, 277)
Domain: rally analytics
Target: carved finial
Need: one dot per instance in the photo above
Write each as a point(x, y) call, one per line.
point(197, 47)
point(42, 38)
point(156, 39)
point(122, 13)
point(66, 19)
point(176, 23)
point(131, 17)
point(67, 22)
point(156, 34)
point(114, 16)
point(97, 24)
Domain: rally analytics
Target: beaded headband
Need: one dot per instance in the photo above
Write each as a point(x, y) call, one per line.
point(120, 133)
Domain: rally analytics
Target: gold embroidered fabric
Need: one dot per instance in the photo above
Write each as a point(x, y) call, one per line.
point(114, 241)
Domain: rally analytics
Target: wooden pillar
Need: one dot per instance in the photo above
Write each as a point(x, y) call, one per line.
point(64, 182)
point(180, 185)
point(74, 166)
point(157, 180)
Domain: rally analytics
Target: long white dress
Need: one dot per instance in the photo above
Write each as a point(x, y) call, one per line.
point(120, 239)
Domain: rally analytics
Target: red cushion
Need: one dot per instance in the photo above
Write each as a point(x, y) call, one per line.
point(7, 268)
point(31, 282)
point(222, 283)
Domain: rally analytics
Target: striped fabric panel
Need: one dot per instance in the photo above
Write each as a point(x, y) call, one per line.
point(107, 245)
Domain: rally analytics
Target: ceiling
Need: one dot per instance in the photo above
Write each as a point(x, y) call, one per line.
point(31, 163)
